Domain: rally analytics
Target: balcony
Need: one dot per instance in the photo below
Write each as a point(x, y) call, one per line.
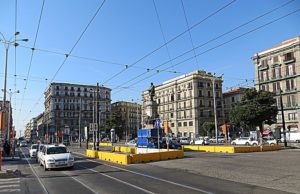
point(263, 67)
point(289, 60)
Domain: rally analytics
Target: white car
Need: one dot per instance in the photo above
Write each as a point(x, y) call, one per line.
point(32, 151)
point(269, 141)
point(245, 141)
point(201, 141)
point(39, 151)
point(184, 141)
point(131, 142)
point(56, 156)
point(221, 139)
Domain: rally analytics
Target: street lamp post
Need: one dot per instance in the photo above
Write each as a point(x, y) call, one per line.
point(6, 44)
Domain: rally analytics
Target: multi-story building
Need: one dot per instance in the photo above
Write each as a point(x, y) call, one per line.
point(186, 102)
point(31, 130)
point(278, 68)
point(131, 115)
point(69, 107)
point(230, 97)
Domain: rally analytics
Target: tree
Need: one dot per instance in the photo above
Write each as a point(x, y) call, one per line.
point(209, 127)
point(117, 123)
point(255, 108)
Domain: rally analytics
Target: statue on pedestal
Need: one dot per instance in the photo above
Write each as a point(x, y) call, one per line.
point(152, 92)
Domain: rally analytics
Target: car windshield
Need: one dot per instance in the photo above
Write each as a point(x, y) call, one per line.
point(56, 150)
point(41, 147)
point(34, 147)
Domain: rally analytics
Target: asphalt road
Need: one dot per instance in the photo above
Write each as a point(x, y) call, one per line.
point(95, 176)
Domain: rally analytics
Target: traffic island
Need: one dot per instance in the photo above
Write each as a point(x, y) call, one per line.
point(231, 149)
point(134, 155)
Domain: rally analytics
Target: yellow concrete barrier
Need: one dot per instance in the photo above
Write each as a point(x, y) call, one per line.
point(147, 157)
point(101, 144)
point(190, 147)
point(171, 154)
point(115, 157)
point(224, 149)
point(92, 153)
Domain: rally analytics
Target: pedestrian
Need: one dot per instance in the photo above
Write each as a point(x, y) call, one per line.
point(6, 148)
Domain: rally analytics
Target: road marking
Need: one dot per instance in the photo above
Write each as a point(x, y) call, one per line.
point(32, 169)
point(4, 186)
point(8, 182)
point(82, 183)
point(9, 190)
point(126, 183)
point(149, 176)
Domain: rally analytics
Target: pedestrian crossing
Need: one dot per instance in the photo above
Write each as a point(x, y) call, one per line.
point(10, 185)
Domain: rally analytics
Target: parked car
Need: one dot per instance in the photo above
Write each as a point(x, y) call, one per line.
point(245, 141)
point(269, 141)
point(184, 141)
point(38, 152)
point(132, 142)
point(221, 139)
point(23, 143)
point(32, 151)
point(56, 156)
point(202, 141)
point(173, 144)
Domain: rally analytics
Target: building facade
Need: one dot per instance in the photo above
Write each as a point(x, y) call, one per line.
point(70, 107)
point(230, 97)
point(8, 117)
point(186, 102)
point(131, 116)
point(31, 130)
point(278, 69)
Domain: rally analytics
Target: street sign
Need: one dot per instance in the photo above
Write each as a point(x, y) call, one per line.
point(157, 123)
point(93, 127)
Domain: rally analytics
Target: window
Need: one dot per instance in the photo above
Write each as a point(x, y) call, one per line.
point(289, 84)
point(208, 93)
point(57, 87)
point(209, 103)
point(200, 84)
point(57, 93)
point(290, 101)
point(172, 125)
point(208, 85)
point(265, 76)
point(232, 99)
point(290, 70)
point(264, 87)
point(184, 124)
point(191, 123)
point(289, 56)
point(201, 113)
point(276, 86)
point(277, 72)
point(217, 86)
point(279, 117)
point(275, 59)
point(172, 98)
point(201, 103)
point(66, 88)
point(171, 115)
point(264, 62)
point(293, 116)
point(179, 124)
point(200, 93)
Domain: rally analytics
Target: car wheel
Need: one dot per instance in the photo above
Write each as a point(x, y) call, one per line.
point(254, 144)
point(297, 141)
point(247, 143)
point(272, 144)
point(233, 143)
point(45, 169)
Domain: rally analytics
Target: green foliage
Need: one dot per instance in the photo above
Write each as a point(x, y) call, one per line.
point(208, 127)
point(117, 123)
point(255, 108)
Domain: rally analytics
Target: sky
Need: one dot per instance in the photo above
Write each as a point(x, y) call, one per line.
point(127, 44)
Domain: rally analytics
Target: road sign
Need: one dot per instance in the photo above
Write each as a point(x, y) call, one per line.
point(157, 123)
point(93, 127)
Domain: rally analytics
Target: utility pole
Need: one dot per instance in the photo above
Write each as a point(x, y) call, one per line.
point(283, 121)
point(98, 115)
point(80, 124)
point(215, 110)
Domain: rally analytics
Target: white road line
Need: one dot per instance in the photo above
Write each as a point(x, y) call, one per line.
point(126, 183)
point(38, 178)
point(4, 186)
point(9, 182)
point(11, 179)
point(82, 183)
point(9, 190)
point(149, 176)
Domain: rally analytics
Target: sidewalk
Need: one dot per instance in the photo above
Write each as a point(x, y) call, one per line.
point(16, 156)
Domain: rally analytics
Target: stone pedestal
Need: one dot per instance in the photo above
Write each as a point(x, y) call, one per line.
point(150, 114)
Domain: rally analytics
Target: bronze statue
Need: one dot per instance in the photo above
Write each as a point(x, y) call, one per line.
point(152, 92)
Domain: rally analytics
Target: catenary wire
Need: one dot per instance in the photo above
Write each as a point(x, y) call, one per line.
point(209, 41)
point(222, 44)
point(171, 40)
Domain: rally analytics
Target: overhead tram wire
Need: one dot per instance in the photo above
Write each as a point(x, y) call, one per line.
point(161, 30)
point(190, 35)
point(85, 58)
point(32, 52)
point(171, 40)
point(222, 44)
point(209, 41)
point(71, 50)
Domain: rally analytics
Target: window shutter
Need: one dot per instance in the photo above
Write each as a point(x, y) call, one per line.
point(286, 70)
point(294, 69)
point(273, 72)
point(280, 72)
